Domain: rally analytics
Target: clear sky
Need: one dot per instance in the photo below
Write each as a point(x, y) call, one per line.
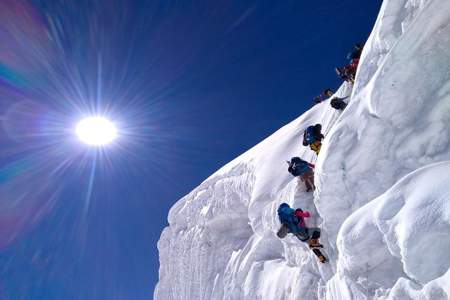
point(190, 85)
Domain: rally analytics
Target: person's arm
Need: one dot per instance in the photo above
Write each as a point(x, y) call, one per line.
point(337, 98)
point(304, 139)
point(290, 169)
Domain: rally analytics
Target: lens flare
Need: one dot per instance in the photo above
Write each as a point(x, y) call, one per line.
point(96, 131)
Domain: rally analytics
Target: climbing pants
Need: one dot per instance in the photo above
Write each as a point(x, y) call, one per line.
point(308, 179)
point(316, 146)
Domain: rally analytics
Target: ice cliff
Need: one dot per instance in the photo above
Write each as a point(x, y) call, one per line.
point(383, 187)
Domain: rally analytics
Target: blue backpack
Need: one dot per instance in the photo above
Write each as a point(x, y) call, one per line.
point(298, 166)
point(286, 215)
point(309, 135)
point(312, 134)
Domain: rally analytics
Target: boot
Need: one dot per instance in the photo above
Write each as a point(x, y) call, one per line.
point(320, 256)
point(314, 243)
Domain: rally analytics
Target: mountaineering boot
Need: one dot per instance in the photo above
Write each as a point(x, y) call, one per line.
point(320, 256)
point(322, 259)
point(314, 243)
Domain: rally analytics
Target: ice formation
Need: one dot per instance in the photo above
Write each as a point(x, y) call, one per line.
point(383, 187)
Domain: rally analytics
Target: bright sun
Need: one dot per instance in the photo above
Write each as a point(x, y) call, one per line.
point(96, 131)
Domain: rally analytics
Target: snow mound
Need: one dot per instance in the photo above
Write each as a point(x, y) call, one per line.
point(382, 182)
point(401, 234)
point(398, 121)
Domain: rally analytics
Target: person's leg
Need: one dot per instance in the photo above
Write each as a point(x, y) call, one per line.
point(302, 234)
point(302, 237)
point(304, 178)
point(316, 146)
point(283, 231)
point(319, 255)
point(309, 181)
point(314, 233)
point(308, 185)
point(301, 178)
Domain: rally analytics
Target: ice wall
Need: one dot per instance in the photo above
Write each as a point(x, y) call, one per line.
point(382, 187)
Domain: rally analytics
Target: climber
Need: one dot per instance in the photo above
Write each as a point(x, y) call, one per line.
point(344, 74)
point(348, 72)
point(292, 221)
point(327, 93)
point(303, 170)
point(353, 66)
point(338, 103)
point(313, 137)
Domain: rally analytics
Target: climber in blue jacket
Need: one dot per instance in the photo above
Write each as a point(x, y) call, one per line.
point(293, 221)
point(303, 170)
point(313, 137)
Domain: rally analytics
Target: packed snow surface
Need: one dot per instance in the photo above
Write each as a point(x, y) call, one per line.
point(383, 187)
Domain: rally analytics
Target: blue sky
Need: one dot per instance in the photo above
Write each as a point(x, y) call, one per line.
point(190, 84)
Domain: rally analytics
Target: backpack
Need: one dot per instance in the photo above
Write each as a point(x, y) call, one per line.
point(338, 103)
point(286, 215)
point(312, 134)
point(309, 137)
point(317, 132)
point(298, 166)
point(297, 160)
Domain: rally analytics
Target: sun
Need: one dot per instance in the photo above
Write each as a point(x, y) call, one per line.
point(96, 131)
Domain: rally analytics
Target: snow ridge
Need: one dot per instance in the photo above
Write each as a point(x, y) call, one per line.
point(383, 187)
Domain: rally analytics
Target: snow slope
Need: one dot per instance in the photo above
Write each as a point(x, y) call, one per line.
point(383, 187)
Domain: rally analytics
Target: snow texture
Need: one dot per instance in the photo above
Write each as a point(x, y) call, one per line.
point(383, 187)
